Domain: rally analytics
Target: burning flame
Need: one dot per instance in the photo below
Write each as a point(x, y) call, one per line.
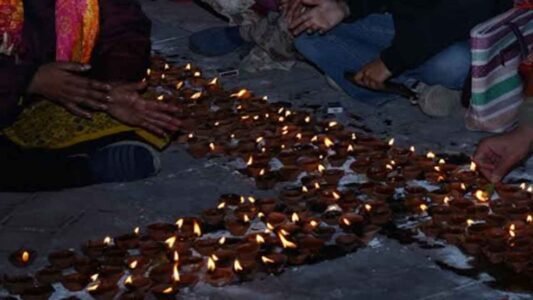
point(262, 172)
point(346, 222)
point(237, 266)
point(179, 85)
point(251, 199)
point(163, 76)
point(423, 207)
point(391, 142)
point(442, 161)
point(176, 256)
point(94, 277)
point(93, 287)
point(246, 219)
point(167, 67)
point(175, 273)
point(221, 205)
point(107, 240)
point(259, 139)
point(482, 195)
point(25, 257)
point(446, 200)
point(161, 98)
point(321, 168)
point(196, 96)
point(242, 199)
point(260, 215)
point(512, 229)
point(148, 72)
point(197, 229)
point(267, 260)
point(317, 185)
point(333, 124)
point(168, 290)
point(412, 149)
point(307, 119)
point(211, 265)
point(259, 239)
point(188, 67)
point(214, 81)
point(240, 94)
point(212, 146)
point(473, 166)
point(269, 226)
point(469, 222)
point(295, 218)
point(336, 195)
point(389, 167)
point(137, 230)
point(437, 168)
point(179, 222)
point(250, 161)
point(299, 136)
point(129, 280)
point(284, 232)
point(313, 223)
point(222, 240)
point(133, 264)
point(430, 155)
point(197, 74)
point(350, 148)
point(328, 142)
point(170, 242)
point(286, 243)
point(368, 207)
point(304, 189)
point(463, 186)
point(215, 258)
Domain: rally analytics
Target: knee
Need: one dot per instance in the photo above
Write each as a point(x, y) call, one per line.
point(449, 68)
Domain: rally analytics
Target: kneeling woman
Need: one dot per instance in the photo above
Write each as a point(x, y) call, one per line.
point(70, 109)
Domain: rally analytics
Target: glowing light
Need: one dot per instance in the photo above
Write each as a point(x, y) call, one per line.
point(133, 264)
point(346, 222)
point(304, 189)
point(237, 266)
point(168, 290)
point(246, 219)
point(240, 94)
point(93, 287)
point(286, 243)
point(423, 207)
point(167, 67)
point(259, 139)
point(196, 96)
point(107, 240)
point(430, 155)
point(94, 277)
point(259, 239)
point(251, 199)
point(442, 161)
point(529, 218)
point(321, 168)
point(179, 85)
point(412, 149)
point(188, 67)
point(221, 205)
point(197, 229)
point(269, 226)
point(333, 124)
point(313, 223)
point(307, 119)
point(129, 280)
point(350, 148)
point(222, 240)
point(473, 166)
point(212, 146)
point(137, 230)
point(171, 241)
point(336, 195)
point(267, 260)
point(481, 195)
point(262, 172)
point(214, 81)
point(211, 265)
point(446, 200)
point(391, 142)
point(328, 142)
point(176, 256)
point(295, 218)
point(469, 222)
point(179, 222)
point(197, 74)
point(25, 257)
point(175, 273)
point(368, 207)
point(148, 72)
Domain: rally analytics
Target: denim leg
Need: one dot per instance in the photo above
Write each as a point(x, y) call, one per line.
point(449, 68)
point(348, 47)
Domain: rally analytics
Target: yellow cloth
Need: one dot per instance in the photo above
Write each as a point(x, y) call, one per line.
point(49, 126)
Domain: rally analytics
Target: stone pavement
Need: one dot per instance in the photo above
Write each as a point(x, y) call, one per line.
point(50, 221)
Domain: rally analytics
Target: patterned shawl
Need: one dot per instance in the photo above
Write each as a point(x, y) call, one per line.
point(77, 26)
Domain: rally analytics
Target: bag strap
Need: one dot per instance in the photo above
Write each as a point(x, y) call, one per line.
point(524, 49)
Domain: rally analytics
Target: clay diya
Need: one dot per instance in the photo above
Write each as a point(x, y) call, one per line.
point(164, 291)
point(138, 264)
point(348, 242)
point(274, 263)
point(137, 283)
point(237, 227)
point(213, 216)
point(161, 231)
point(75, 282)
point(48, 275)
point(22, 257)
point(267, 205)
point(103, 290)
point(62, 259)
point(217, 276)
point(351, 222)
point(127, 241)
point(206, 247)
point(17, 284)
point(244, 269)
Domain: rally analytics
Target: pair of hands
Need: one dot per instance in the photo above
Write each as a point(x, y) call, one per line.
point(323, 15)
point(497, 155)
point(63, 83)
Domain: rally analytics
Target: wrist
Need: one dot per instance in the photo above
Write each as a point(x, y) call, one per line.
point(346, 12)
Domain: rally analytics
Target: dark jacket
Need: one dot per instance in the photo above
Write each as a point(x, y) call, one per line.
point(426, 27)
point(121, 53)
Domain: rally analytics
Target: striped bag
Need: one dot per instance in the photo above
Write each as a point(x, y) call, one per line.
point(498, 47)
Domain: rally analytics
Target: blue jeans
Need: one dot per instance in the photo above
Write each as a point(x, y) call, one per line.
point(350, 46)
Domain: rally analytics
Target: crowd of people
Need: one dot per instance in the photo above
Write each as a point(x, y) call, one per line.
point(71, 71)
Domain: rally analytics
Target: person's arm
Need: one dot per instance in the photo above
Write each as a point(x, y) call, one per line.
point(424, 28)
point(122, 53)
point(14, 80)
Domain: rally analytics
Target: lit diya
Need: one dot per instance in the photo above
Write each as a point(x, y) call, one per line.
point(22, 257)
point(218, 276)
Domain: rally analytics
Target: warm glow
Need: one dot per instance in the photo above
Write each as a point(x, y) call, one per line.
point(25, 256)
point(148, 72)
point(176, 256)
point(295, 218)
point(251, 199)
point(214, 81)
point(246, 219)
point(350, 148)
point(197, 74)
point(262, 172)
point(107, 240)
point(430, 155)
point(446, 200)
point(314, 138)
point(188, 67)
point(93, 287)
point(304, 189)
point(175, 273)
point(512, 229)
point(321, 168)
point(222, 240)
point(196, 96)
point(354, 137)
point(333, 124)
point(442, 161)
point(368, 207)
point(284, 232)
point(473, 166)
point(259, 239)
point(469, 222)
point(212, 146)
point(269, 226)
point(299, 136)
point(221, 205)
point(94, 277)
point(240, 94)
point(313, 223)
point(286, 243)
point(179, 222)
point(260, 215)
point(389, 167)
point(167, 67)
point(463, 186)
point(242, 199)
point(211, 266)
point(259, 139)
point(170, 242)
point(328, 142)
point(133, 264)
point(336, 195)
point(179, 85)
point(391, 142)
point(346, 222)
point(437, 168)
point(307, 119)
point(197, 229)
point(163, 76)
point(137, 230)
point(250, 161)
point(267, 260)
point(412, 149)
point(482, 195)
point(423, 207)
point(129, 280)
point(168, 290)
point(237, 266)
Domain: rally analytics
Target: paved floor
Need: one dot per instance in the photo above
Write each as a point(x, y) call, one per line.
point(387, 270)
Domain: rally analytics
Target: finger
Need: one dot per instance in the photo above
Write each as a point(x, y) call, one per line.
point(73, 67)
point(91, 103)
point(303, 27)
point(165, 118)
point(301, 19)
point(161, 107)
point(78, 111)
point(89, 84)
point(152, 128)
point(292, 9)
point(162, 125)
point(135, 86)
point(81, 93)
point(358, 78)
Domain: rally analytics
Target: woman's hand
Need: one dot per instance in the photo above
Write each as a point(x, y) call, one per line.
point(322, 17)
point(497, 155)
point(131, 109)
point(61, 83)
point(373, 75)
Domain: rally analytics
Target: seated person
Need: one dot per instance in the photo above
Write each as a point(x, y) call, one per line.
point(423, 44)
point(70, 109)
